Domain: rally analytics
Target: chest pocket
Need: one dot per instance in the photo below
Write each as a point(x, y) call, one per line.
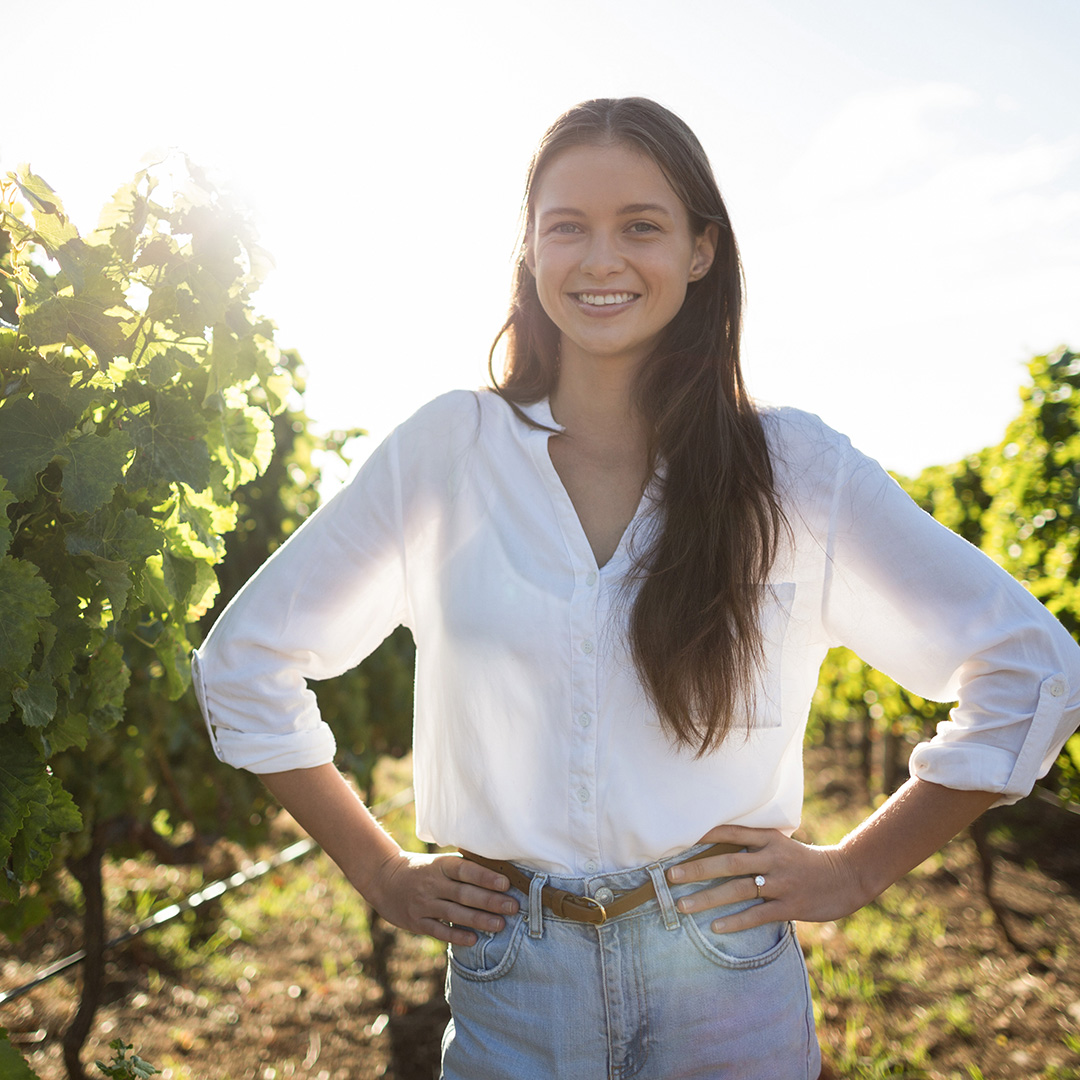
point(777, 601)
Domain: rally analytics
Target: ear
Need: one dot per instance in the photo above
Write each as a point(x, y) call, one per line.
point(704, 251)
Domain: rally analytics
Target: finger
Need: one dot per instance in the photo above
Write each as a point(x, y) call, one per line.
point(734, 864)
point(472, 896)
point(454, 935)
point(471, 917)
point(767, 911)
point(464, 870)
point(730, 892)
point(742, 835)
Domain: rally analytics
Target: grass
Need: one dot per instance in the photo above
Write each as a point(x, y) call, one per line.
point(905, 987)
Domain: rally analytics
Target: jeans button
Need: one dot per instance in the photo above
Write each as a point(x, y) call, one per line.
point(604, 896)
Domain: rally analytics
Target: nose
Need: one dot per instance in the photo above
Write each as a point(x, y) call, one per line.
point(602, 257)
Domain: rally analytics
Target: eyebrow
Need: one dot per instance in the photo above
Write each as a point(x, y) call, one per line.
point(632, 208)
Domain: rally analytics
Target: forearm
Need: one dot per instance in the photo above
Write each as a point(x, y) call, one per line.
point(817, 884)
point(440, 895)
point(323, 803)
point(907, 829)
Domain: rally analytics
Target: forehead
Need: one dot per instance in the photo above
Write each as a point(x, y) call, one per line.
point(598, 178)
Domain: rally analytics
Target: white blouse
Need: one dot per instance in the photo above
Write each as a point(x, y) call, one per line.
point(533, 739)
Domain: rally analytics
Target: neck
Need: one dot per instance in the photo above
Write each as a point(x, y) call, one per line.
point(594, 400)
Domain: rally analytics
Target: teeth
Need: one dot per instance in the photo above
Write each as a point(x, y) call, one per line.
point(600, 299)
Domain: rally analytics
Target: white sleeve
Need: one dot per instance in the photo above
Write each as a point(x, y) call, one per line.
point(323, 601)
point(937, 615)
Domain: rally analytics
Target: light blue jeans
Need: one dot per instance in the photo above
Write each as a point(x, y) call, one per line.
point(653, 994)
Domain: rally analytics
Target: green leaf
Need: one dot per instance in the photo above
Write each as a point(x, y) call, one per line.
point(71, 729)
point(53, 377)
point(95, 467)
point(85, 318)
point(248, 441)
point(23, 783)
point(224, 359)
point(116, 535)
point(122, 220)
point(161, 369)
point(12, 1064)
point(169, 444)
point(15, 920)
point(109, 679)
point(6, 499)
point(115, 542)
point(179, 576)
point(37, 700)
point(173, 649)
point(24, 599)
point(114, 576)
point(33, 432)
point(207, 519)
point(32, 847)
point(50, 221)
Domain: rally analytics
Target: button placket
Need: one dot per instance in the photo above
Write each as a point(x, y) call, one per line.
point(583, 731)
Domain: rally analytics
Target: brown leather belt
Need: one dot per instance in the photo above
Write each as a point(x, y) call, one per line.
point(586, 909)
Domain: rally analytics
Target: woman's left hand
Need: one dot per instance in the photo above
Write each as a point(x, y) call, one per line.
point(802, 883)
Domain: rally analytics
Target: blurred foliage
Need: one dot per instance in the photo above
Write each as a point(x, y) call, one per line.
point(1020, 502)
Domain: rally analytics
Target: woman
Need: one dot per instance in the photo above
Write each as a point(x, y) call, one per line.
point(622, 578)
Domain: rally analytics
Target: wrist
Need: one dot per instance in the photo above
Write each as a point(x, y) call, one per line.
point(855, 881)
point(375, 866)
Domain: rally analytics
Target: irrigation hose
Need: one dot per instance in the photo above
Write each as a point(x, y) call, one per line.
point(195, 899)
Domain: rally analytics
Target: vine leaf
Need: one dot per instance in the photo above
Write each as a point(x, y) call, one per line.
point(55, 380)
point(23, 787)
point(169, 445)
point(109, 679)
point(33, 432)
point(12, 1064)
point(6, 498)
point(43, 825)
point(24, 599)
point(37, 700)
point(95, 466)
point(115, 542)
point(84, 318)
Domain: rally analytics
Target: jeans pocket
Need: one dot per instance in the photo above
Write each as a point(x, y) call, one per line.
point(493, 955)
point(739, 950)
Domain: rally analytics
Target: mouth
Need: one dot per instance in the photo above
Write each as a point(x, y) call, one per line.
point(608, 299)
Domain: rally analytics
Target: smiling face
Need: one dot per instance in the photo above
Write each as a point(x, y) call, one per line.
point(612, 251)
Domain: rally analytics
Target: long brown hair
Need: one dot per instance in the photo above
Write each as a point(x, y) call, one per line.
point(695, 631)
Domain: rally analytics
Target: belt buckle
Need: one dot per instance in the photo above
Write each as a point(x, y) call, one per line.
point(590, 904)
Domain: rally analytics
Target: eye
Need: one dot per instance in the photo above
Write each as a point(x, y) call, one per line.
point(565, 228)
point(643, 227)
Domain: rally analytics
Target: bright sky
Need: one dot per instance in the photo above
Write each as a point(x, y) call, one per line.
point(903, 176)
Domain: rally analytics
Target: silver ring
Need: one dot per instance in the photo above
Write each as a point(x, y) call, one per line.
point(759, 884)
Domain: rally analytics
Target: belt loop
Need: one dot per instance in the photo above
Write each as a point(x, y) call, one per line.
point(536, 905)
point(663, 895)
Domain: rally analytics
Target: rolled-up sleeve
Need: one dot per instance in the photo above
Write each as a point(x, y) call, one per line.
point(937, 615)
point(318, 606)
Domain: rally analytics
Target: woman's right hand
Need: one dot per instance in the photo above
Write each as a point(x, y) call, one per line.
point(439, 895)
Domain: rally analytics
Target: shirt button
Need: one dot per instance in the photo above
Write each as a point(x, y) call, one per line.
point(586, 647)
point(584, 719)
point(1057, 689)
point(591, 579)
point(583, 794)
point(604, 896)
point(591, 867)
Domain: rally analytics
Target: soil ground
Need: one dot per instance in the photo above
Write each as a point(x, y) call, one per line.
point(282, 977)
